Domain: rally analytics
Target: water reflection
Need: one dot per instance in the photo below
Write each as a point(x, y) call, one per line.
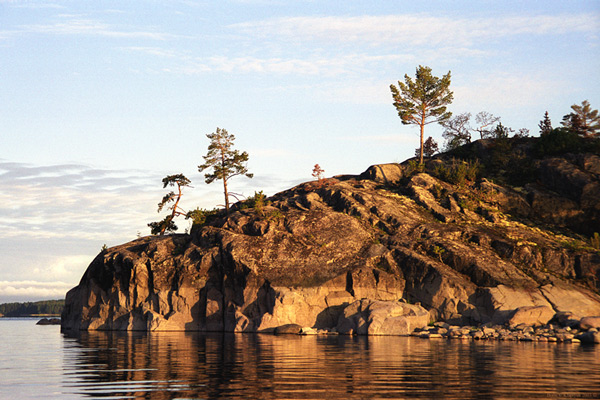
point(169, 365)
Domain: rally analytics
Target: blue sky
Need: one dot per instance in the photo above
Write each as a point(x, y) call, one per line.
point(100, 100)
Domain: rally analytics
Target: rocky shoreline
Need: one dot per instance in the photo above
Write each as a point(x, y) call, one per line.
point(523, 333)
point(587, 330)
point(382, 253)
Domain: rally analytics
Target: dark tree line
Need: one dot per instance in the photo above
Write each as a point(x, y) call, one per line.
point(46, 307)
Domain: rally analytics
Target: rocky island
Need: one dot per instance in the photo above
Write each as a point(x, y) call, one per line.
point(466, 239)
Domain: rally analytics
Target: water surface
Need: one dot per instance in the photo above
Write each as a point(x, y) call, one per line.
point(40, 362)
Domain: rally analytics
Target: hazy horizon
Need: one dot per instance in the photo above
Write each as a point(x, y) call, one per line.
point(103, 99)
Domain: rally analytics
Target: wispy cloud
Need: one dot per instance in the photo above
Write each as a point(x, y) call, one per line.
point(73, 25)
point(524, 89)
point(32, 290)
point(31, 5)
point(415, 29)
point(72, 200)
point(319, 46)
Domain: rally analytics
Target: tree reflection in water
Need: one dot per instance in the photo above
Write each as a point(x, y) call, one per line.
point(167, 365)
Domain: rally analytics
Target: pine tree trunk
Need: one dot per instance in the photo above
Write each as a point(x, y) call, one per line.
point(421, 148)
point(226, 195)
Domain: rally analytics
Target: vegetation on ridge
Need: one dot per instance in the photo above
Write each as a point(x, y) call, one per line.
point(38, 308)
point(503, 155)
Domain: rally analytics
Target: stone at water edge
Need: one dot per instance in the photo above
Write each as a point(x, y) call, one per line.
point(369, 317)
point(532, 316)
point(288, 329)
point(589, 323)
point(49, 321)
point(589, 337)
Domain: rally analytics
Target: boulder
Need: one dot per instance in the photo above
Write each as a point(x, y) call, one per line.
point(368, 317)
point(532, 316)
point(48, 321)
point(288, 329)
point(589, 337)
point(567, 318)
point(383, 173)
point(589, 323)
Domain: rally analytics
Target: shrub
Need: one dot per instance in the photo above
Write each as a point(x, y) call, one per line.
point(458, 171)
point(258, 201)
point(595, 241)
point(202, 216)
point(558, 141)
point(414, 167)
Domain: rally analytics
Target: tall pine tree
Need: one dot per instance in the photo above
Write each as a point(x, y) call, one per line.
point(422, 101)
point(224, 161)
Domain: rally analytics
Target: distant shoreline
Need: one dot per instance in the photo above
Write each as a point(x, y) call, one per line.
point(30, 316)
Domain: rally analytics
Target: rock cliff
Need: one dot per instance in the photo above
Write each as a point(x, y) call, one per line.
point(380, 253)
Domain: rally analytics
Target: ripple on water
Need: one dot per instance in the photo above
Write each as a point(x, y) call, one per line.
point(39, 362)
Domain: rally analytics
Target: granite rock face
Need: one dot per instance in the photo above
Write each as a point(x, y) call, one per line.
point(344, 253)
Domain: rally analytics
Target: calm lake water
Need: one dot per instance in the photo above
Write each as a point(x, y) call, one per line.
point(38, 362)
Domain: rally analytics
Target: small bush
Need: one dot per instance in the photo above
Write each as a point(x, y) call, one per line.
point(595, 241)
point(201, 216)
point(275, 215)
point(559, 141)
point(458, 172)
point(258, 202)
point(414, 167)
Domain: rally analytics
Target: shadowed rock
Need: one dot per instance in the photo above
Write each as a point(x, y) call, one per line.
point(348, 250)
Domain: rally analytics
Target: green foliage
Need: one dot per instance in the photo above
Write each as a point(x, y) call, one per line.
point(559, 141)
point(46, 307)
point(457, 171)
point(430, 147)
point(583, 120)
point(438, 191)
point(520, 168)
point(422, 101)
point(275, 215)
point(545, 125)
point(501, 132)
point(414, 167)
point(167, 224)
point(224, 161)
point(201, 216)
point(438, 252)
point(595, 241)
point(258, 200)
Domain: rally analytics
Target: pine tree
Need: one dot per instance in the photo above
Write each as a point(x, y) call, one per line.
point(224, 161)
point(583, 120)
point(422, 101)
point(430, 147)
point(167, 224)
point(545, 124)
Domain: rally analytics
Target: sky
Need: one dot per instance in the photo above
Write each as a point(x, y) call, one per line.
point(99, 100)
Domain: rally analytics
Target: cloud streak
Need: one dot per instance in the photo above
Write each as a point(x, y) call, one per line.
point(72, 200)
point(11, 291)
point(82, 26)
point(416, 29)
